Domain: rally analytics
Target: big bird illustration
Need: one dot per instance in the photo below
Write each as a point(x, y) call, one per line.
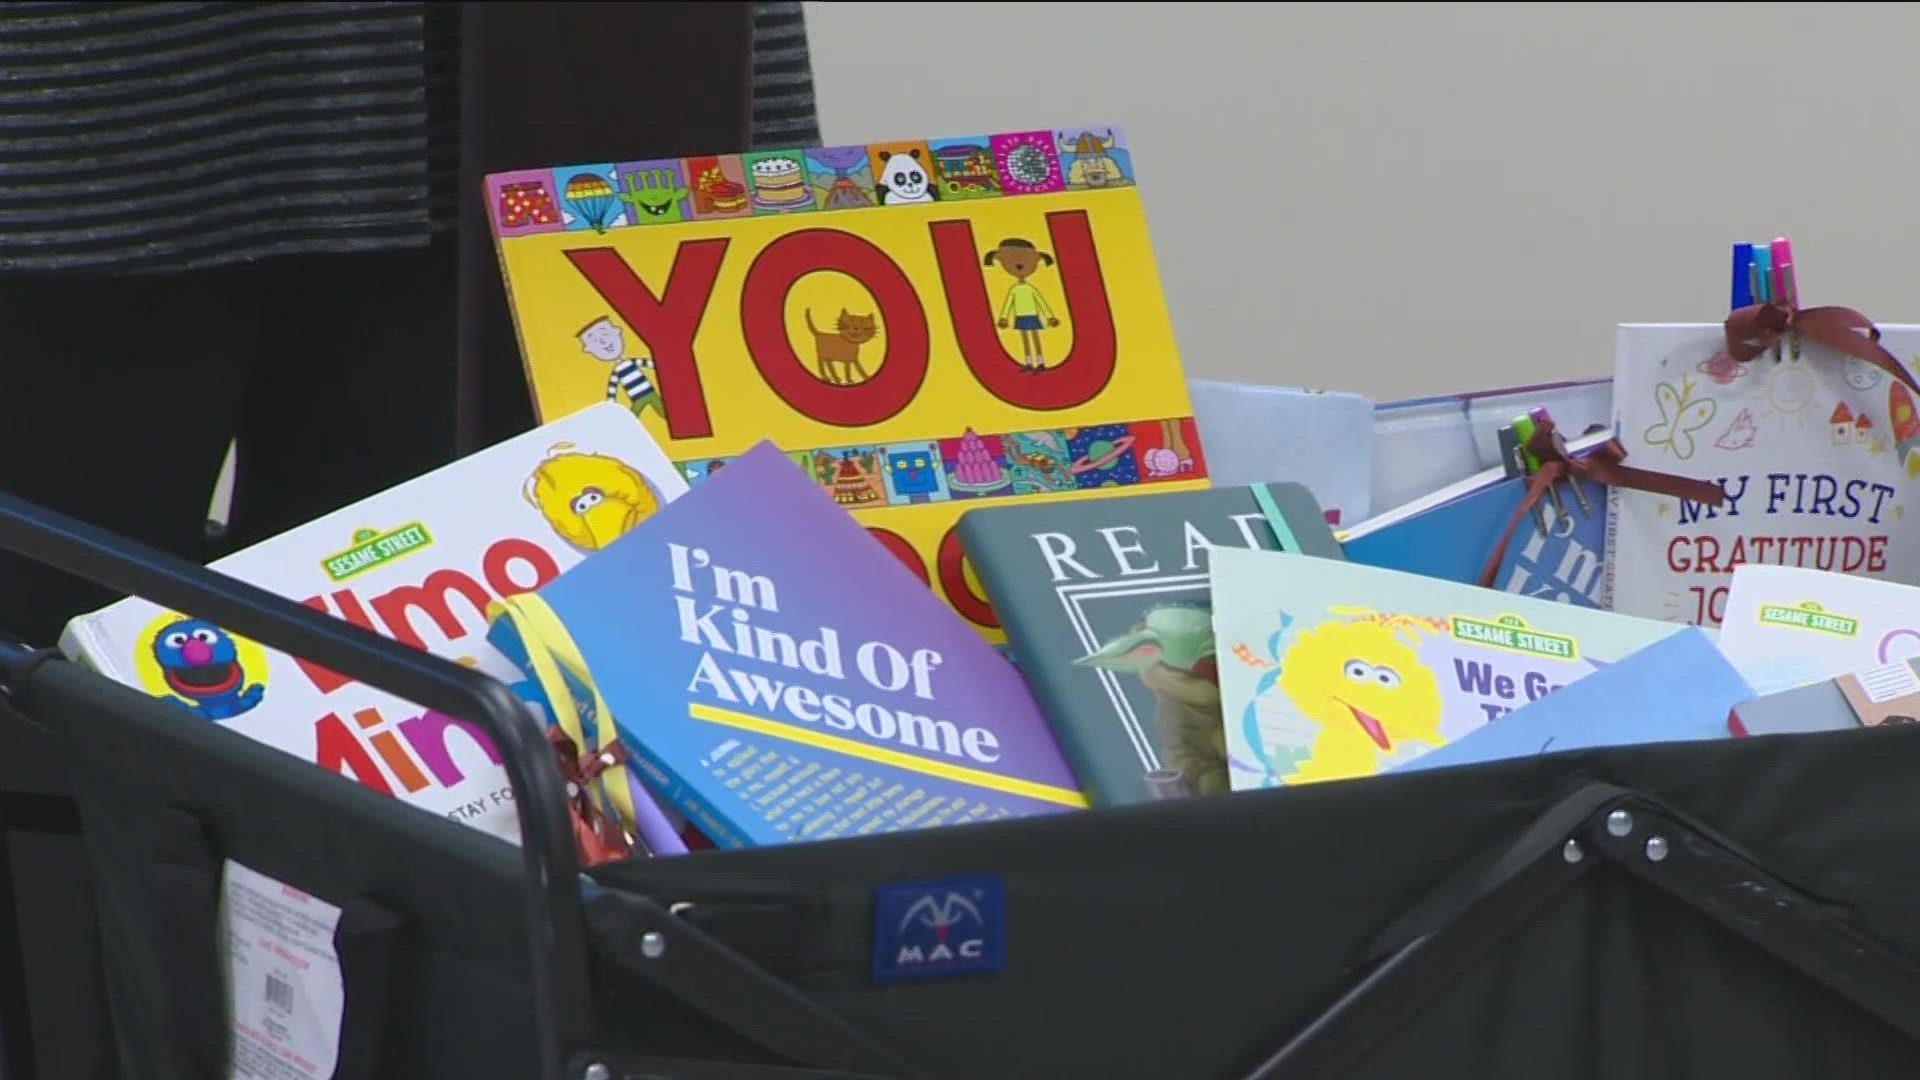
point(1366, 699)
point(590, 499)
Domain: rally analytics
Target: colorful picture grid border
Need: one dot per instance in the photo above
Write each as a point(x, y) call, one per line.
point(767, 183)
point(973, 465)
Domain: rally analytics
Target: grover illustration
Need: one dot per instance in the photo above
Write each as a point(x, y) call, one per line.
point(202, 666)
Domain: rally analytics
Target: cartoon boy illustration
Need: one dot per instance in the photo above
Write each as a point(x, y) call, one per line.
point(633, 377)
point(1024, 306)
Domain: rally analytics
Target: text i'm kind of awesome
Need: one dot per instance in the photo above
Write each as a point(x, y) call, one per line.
point(1799, 496)
point(881, 665)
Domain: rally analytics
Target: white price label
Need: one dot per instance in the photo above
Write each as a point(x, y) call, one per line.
point(286, 996)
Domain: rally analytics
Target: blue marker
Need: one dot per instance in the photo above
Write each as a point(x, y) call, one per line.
point(1743, 276)
point(1763, 270)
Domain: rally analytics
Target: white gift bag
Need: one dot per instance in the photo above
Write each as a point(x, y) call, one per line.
point(1814, 444)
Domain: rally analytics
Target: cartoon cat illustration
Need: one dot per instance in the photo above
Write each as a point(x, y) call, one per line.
point(838, 349)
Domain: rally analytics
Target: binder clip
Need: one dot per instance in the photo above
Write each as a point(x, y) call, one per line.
point(1522, 434)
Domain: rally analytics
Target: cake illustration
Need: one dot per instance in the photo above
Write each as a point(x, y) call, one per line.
point(718, 194)
point(778, 184)
point(974, 470)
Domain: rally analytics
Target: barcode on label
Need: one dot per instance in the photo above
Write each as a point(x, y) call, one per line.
point(279, 994)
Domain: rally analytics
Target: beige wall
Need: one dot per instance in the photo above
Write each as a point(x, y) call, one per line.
point(1408, 199)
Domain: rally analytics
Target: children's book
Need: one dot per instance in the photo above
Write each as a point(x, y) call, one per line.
point(1678, 689)
point(796, 682)
point(922, 325)
point(1333, 669)
point(1557, 552)
point(1787, 627)
point(1815, 451)
point(1106, 605)
point(418, 563)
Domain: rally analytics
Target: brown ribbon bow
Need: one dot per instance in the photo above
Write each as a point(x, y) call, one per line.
point(599, 839)
point(1602, 465)
point(1754, 329)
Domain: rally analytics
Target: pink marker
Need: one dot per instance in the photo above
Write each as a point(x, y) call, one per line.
point(1785, 289)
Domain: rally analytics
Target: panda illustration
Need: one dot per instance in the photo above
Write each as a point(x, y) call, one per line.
point(903, 179)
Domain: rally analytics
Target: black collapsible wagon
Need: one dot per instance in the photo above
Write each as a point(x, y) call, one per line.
point(1741, 909)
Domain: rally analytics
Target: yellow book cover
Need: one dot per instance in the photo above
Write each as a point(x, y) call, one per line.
point(921, 325)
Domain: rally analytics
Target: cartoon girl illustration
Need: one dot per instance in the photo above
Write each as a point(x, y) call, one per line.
point(1024, 307)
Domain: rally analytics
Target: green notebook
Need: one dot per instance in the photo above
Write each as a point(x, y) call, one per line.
point(1106, 610)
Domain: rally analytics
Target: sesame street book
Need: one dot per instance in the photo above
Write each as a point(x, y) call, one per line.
point(1106, 607)
point(1331, 670)
point(1787, 627)
point(924, 325)
point(797, 683)
point(419, 563)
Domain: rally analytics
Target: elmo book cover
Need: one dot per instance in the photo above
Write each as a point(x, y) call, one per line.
point(419, 563)
point(1330, 670)
point(797, 683)
point(924, 325)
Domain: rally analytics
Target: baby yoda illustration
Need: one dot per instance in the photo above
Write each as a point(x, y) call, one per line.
point(1171, 651)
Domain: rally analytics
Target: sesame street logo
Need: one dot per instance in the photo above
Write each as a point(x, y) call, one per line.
point(1511, 633)
point(1809, 616)
point(200, 667)
point(373, 549)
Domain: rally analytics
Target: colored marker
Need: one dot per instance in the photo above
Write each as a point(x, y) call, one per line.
point(1763, 264)
point(1524, 427)
point(1743, 277)
point(1781, 252)
point(1789, 288)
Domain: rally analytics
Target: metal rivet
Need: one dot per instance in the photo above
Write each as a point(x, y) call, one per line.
point(596, 1071)
point(1619, 823)
point(1571, 852)
point(1656, 848)
point(653, 945)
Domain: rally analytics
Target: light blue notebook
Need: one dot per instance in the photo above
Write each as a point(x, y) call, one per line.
point(1677, 689)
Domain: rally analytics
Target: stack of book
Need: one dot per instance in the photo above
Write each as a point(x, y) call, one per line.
point(870, 493)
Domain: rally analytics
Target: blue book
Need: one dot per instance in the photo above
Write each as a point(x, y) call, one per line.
point(779, 675)
point(1677, 689)
point(1452, 541)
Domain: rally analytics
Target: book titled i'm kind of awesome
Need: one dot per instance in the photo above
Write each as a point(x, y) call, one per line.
point(779, 676)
